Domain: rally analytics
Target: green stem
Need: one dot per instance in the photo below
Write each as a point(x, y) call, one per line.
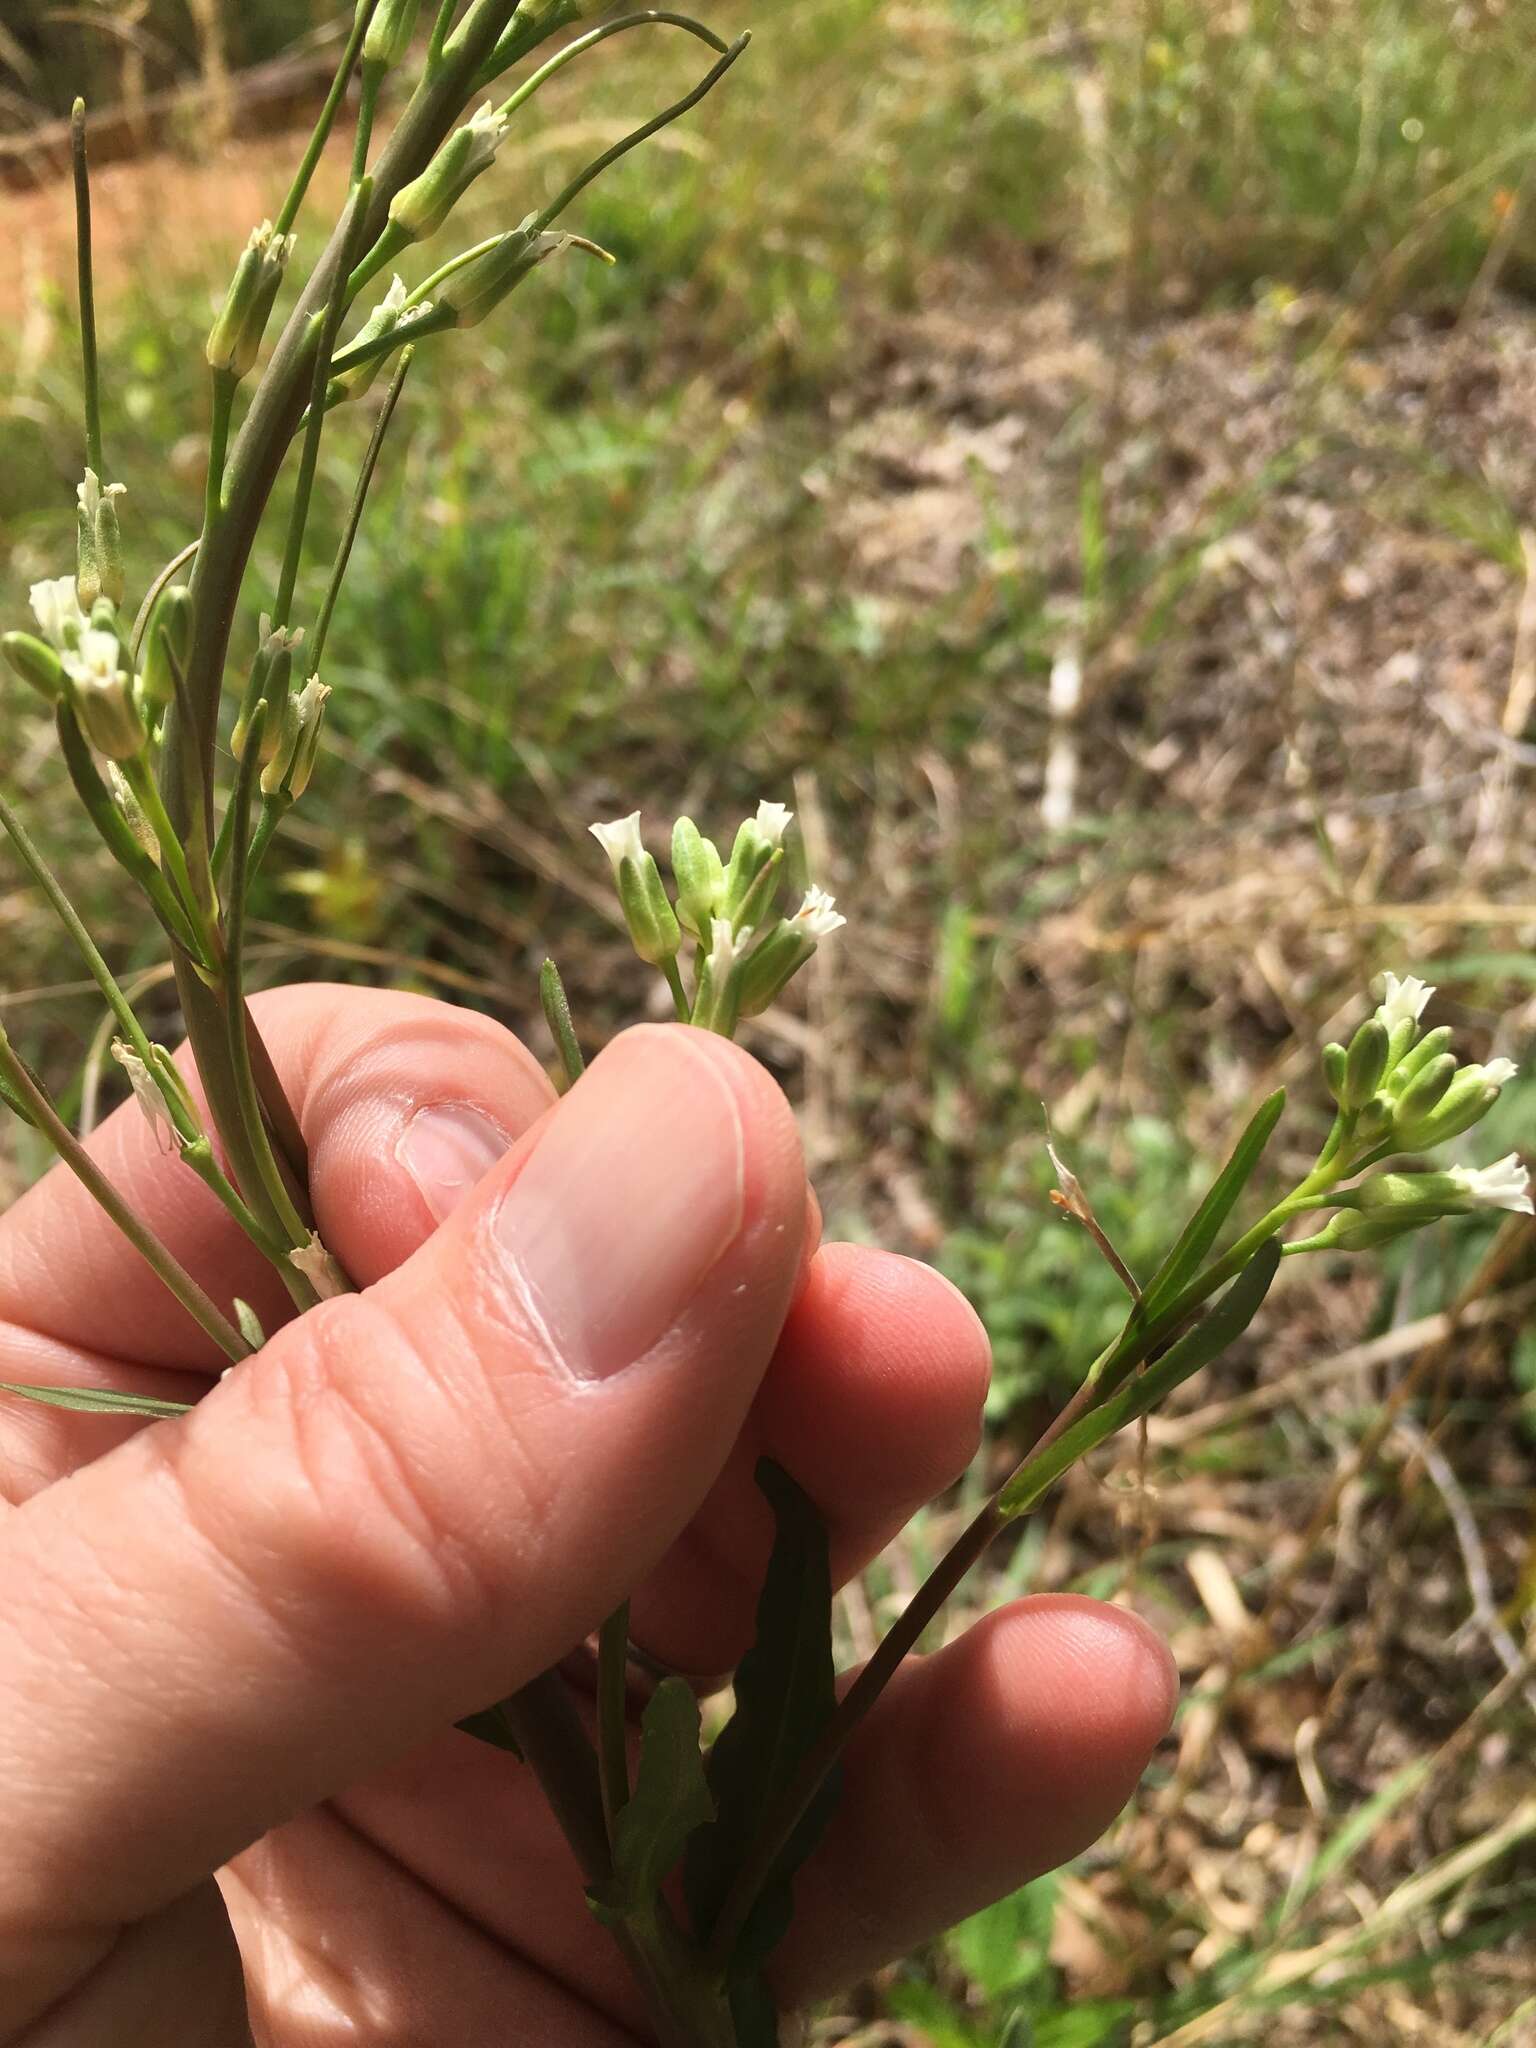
point(652, 16)
point(197, 902)
point(309, 455)
point(273, 1185)
point(599, 164)
point(367, 107)
point(354, 517)
point(440, 28)
point(136, 638)
point(436, 322)
point(523, 36)
point(90, 373)
point(39, 1107)
point(612, 1732)
point(118, 839)
point(322, 130)
point(224, 383)
point(680, 1001)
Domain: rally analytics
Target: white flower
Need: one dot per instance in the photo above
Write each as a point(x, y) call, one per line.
point(772, 820)
point(620, 840)
point(487, 128)
point(1403, 1001)
point(1504, 1185)
point(1498, 1071)
point(319, 1268)
point(97, 661)
point(816, 916)
point(56, 608)
point(103, 697)
point(394, 298)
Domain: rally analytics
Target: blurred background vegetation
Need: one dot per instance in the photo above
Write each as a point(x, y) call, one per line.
point(1081, 457)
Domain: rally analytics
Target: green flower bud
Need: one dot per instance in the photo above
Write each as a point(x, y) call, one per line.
point(269, 680)
point(389, 32)
point(36, 663)
point(292, 760)
point(771, 965)
point(699, 874)
point(384, 319)
point(102, 695)
point(234, 341)
point(1365, 1064)
point(1465, 1102)
point(1349, 1232)
point(420, 208)
point(1424, 1090)
point(1334, 1057)
point(1430, 1047)
point(750, 854)
point(99, 573)
point(169, 640)
point(643, 898)
point(785, 951)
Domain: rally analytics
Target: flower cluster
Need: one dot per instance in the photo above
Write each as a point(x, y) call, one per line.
point(1401, 1089)
point(745, 949)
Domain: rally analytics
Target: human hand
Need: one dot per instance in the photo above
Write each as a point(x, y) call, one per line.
point(232, 1647)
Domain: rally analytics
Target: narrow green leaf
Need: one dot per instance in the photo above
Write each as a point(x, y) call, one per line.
point(96, 1400)
point(1227, 1320)
point(1203, 1228)
point(785, 1691)
point(491, 1725)
point(670, 1800)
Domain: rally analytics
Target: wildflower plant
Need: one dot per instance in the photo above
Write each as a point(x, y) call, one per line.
point(690, 1856)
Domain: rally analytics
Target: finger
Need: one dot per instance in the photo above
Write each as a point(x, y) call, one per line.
point(997, 1758)
point(409, 1503)
point(404, 1102)
point(873, 1401)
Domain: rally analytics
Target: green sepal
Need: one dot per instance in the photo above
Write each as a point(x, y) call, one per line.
point(771, 965)
point(750, 853)
point(167, 644)
point(1426, 1090)
point(648, 911)
point(758, 901)
point(1224, 1324)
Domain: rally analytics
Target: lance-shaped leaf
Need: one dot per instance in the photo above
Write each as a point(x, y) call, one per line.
point(1203, 1228)
point(670, 1800)
point(1226, 1322)
point(785, 1691)
point(96, 1400)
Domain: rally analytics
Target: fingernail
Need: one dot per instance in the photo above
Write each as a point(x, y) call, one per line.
point(446, 1149)
point(632, 1195)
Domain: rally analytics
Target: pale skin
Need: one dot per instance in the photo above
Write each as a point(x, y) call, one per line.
point(232, 1647)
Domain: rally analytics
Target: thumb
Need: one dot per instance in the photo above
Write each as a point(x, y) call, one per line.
point(412, 1501)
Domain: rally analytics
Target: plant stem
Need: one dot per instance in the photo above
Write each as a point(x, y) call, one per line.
point(355, 514)
point(309, 455)
point(141, 620)
point(599, 164)
point(652, 16)
point(680, 1002)
point(39, 1107)
point(224, 383)
point(322, 130)
point(90, 373)
point(367, 107)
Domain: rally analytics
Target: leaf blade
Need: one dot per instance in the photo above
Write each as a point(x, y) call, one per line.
point(671, 1800)
point(1203, 1228)
point(97, 1400)
point(1226, 1322)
